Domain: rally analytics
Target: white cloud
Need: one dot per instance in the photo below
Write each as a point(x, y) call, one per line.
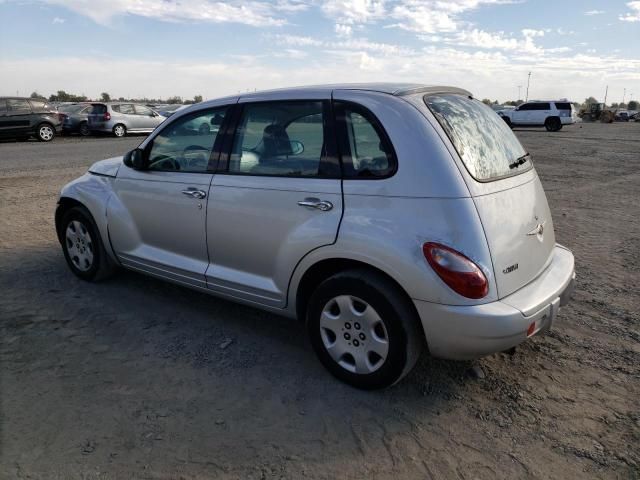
point(57, 20)
point(354, 11)
point(634, 15)
point(254, 13)
point(295, 40)
point(343, 30)
point(594, 12)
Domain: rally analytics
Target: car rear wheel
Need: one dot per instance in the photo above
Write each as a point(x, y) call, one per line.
point(82, 246)
point(363, 329)
point(45, 132)
point(507, 120)
point(119, 130)
point(83, 129)
point(553, 124)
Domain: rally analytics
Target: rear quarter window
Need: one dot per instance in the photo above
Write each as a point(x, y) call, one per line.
point(563, 105)
point(487, 147)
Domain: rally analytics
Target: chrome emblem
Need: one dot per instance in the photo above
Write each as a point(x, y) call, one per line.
point(538, 231)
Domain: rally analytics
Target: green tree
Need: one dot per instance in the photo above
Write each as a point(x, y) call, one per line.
point(174, 99)
point(633, 105)
point(486, 101)
point(105, 97)
point(35, 95)
point(197, 98)
point(589, 101)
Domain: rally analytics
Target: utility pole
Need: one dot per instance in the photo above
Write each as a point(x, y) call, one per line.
point(519, 88)
point(624, 94)
point(606, 92)
point(528, 80)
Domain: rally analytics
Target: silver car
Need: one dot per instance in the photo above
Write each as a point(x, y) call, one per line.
point(391, 219)
point(122, 118)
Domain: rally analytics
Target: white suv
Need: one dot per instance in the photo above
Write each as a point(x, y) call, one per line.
point(550, 114)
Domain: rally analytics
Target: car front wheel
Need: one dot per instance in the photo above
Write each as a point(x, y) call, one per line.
point(82, 246)
point(364, 329)
point(45, 132)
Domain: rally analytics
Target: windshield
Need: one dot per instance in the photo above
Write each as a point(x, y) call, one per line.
point(487, 146)
point(71, 108)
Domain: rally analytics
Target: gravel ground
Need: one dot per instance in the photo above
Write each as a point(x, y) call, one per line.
point(136, 378)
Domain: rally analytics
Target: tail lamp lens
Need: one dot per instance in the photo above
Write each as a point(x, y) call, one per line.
point(457, 271)
point(107, 116)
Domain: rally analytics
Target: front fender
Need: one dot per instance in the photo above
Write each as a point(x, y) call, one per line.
point(93, 192)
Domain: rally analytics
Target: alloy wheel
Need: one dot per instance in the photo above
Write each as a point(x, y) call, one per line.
point(46, 133)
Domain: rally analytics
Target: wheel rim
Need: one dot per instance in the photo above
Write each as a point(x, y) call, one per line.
point(79, 245)
point(84, 129)
point(119, 131)
point(46, 132)
point(354, 335)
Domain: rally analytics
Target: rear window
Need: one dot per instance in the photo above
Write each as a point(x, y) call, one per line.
point(98, 109)
point(563, 105)
point(41, 105)
point(487, 146)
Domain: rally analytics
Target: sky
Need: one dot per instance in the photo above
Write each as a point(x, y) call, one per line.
point(161, 48)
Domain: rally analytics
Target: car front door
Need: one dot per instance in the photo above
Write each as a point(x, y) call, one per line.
point(146, 118)
point(275, 197)
point(522, 115)
point(157, 217)
point(18, 119)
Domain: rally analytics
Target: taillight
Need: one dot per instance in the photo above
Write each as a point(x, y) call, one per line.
point(107, 116)
point(62, 117)
point(457, 271)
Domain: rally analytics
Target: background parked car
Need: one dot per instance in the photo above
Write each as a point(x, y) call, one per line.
point(552, 114)
point(75, 118)
point(168, 110)
point(122, 118)
point(23, 117)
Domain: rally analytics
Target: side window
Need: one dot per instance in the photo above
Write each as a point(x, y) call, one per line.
point(3, 106)
point(37, 104)
point(127, 109)
point(542, 106)
point(185, 145)
point(18, 105)
point(525, 106)
point(142, 110)
point(280, 138)
point(366, 149)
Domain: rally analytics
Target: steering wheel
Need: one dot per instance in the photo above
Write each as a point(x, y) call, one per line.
point(202, 158)
point(164, 162)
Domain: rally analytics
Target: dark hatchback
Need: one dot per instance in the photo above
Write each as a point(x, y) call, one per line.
point(75, 118)
point(22, 118)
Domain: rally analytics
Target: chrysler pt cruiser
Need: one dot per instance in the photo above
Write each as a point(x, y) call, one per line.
point(389, 218)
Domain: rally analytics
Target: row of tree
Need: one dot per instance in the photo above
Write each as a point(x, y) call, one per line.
point(62, 96)
point(632, 105)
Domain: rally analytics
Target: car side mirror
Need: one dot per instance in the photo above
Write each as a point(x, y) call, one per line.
point(297, 147)
point(134, 159)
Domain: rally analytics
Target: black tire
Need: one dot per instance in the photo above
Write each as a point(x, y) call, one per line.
point(507, 120)
point(83, 129)
point(101, 266)
point(552, 124)
point(404, 334)
point(119, 130)
point(45, 132)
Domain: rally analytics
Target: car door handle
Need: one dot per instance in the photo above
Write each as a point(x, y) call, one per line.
point(195, 193)
point(316, 203)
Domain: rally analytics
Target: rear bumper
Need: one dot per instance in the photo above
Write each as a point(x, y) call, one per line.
point(467, 332)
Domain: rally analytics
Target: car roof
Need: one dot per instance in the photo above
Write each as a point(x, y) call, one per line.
point(391, 88)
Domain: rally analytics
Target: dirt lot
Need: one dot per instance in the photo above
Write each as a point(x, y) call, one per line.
point(135, 378)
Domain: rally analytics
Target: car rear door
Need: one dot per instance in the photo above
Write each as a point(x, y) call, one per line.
point(275, 197)
point(18, 119)
point(157, 218)
point(4, 117)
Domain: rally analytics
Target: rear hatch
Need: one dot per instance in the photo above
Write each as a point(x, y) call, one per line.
point(566, 111)
point(98, 115)
point(509, 199)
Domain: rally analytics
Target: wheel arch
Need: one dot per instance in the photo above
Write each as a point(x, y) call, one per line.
point(327, 267)
point(64, 205)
